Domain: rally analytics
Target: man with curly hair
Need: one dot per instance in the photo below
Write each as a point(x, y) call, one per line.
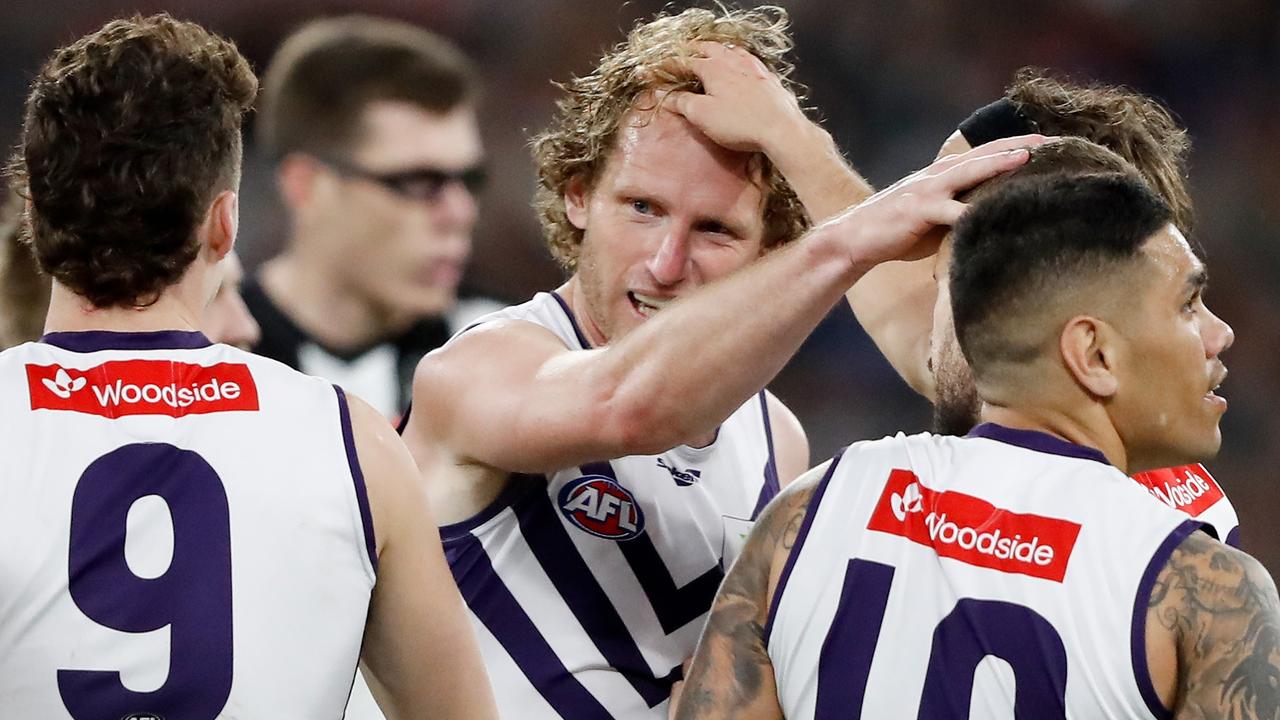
point(188, 530)
point(599, 452)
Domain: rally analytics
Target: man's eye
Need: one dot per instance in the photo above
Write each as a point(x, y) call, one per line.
point(641, 206)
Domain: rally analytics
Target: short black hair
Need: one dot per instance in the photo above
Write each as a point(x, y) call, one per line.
point(1019, 247)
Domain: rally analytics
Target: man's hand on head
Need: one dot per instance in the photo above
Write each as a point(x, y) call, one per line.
point(743, 106)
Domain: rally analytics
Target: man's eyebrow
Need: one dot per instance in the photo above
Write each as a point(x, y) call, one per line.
point(1198, 279)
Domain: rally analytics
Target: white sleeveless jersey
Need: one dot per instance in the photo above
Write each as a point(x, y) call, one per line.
point(1001, 575)
point(589, 587)
point(184, 533)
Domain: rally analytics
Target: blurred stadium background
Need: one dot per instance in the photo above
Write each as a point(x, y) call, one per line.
point(891, 78)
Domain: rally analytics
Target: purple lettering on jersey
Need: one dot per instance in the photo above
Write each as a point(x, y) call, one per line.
point(971, 632)
point(1016, 634)
point(844, 663)
point(192, 597)
point(771, 485)
point(674, 606)
point(1138, 629)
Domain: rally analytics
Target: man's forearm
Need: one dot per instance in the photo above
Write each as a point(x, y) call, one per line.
point(815, 168)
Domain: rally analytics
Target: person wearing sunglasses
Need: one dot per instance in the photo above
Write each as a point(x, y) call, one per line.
point(371, 124)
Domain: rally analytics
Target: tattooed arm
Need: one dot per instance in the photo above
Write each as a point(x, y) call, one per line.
point(1213, 634)
point(731, 675)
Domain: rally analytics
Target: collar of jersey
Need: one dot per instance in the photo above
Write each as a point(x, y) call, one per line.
point(1037, 441)
point(86, 341)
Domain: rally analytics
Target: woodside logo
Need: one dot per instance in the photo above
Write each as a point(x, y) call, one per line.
point(974, 531)
point(143, 387)
point(1189, 488)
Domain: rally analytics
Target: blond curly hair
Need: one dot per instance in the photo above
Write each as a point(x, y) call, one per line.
point(653, 57)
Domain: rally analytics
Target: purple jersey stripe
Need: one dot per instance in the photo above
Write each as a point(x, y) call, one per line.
point(1138, 630)
point(771, 484)
point(94, 340)
point(674, 606)
point(357, 476)
point(1233, 537)
point(494, 605)
point(800, 538)
point(545, 533)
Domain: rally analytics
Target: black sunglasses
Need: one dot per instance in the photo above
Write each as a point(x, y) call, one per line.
point(423, 184)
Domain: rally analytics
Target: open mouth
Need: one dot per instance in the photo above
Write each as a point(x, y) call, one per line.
point(647, 305)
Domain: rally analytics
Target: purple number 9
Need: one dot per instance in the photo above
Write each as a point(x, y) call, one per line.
point(192, 597)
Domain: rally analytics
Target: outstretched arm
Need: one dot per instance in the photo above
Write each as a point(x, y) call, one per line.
point(731, 675)
point(510, 397)
point(1213, 634)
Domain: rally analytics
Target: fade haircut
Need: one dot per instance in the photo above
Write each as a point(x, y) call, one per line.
point(1134, 126)
point(327, 72)
point(654, 58)
point(1024, 250)
point(128, 135)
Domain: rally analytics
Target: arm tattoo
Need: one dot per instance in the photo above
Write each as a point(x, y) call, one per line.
point(1223, 609)
point(731, 675)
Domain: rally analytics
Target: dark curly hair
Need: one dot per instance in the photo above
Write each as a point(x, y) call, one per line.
point(654, 58)
point(128, 135)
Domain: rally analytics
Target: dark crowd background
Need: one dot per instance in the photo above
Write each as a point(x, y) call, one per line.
point(891, 79)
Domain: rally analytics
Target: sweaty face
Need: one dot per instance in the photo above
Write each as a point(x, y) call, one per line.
point(405, 254)
point(227, 319)
point(670, 212)
point(1165, 408)
point(956, 405)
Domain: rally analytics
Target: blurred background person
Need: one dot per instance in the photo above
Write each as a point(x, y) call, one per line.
point(24, 291)
point(372, 127)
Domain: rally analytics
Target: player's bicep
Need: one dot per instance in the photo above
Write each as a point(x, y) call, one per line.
point(1221, 610)
point(509, 396)
point(419, 651)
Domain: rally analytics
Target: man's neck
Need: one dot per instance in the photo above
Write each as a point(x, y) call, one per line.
point(69, 312)
point(319, 302)
point(1086, 431)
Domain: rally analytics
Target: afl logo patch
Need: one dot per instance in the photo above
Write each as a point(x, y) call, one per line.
point(602, 507)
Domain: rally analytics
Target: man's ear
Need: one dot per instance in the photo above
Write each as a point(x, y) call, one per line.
point(577, 196)
point(1089, 349)
point(295, 179)
point(221, 223)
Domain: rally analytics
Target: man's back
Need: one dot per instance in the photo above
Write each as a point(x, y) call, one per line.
point(196, 530)
point(1014, 569)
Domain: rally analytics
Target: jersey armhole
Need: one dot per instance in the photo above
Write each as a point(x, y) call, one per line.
point(1138, 631)
point(772, 486)
point(357, 477)
point(801, 536)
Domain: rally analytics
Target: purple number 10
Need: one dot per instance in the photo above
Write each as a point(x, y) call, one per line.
point(192, 597)
point(973, 630)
